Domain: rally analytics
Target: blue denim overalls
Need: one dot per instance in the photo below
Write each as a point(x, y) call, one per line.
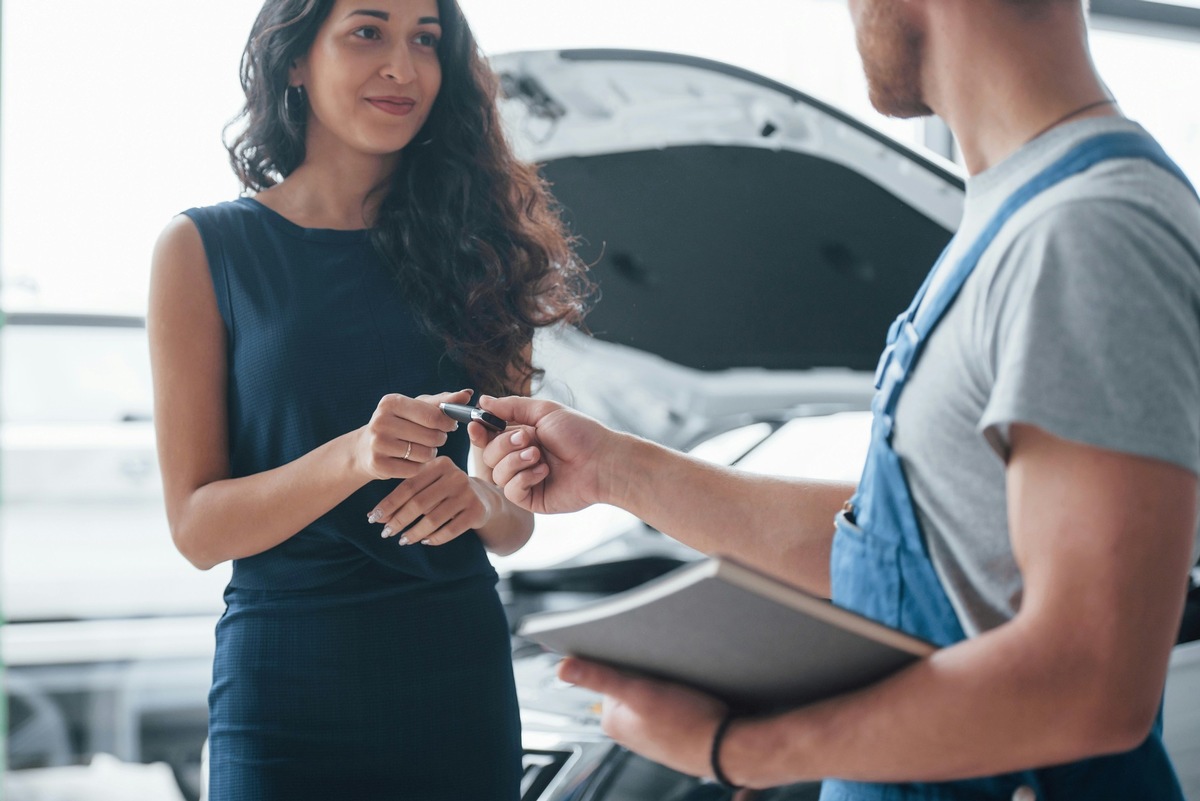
point(881, 568)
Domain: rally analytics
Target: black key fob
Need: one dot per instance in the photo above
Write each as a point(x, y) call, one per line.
point(465, 414)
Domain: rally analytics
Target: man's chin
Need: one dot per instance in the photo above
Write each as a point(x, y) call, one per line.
point(901, 108)
point(910, 113)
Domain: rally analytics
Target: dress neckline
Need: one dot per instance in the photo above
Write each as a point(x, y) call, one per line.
point(311, 234)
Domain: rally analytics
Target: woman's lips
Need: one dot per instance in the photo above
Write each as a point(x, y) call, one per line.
point(397, 106)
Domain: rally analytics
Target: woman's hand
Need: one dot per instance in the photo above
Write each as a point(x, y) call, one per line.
point(404, 433)
point(440, 502)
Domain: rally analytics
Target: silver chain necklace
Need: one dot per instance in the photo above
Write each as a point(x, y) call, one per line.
point(1088, 107)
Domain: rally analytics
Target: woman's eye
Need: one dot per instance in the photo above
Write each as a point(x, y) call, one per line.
point(369, 32)
point(427, 40)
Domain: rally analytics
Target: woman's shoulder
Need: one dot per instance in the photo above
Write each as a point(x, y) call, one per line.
point(207, 230)
point(230, 211)
point(232, 225)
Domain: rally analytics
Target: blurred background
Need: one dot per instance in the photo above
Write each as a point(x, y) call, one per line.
point(111, 117)
point(113, 111)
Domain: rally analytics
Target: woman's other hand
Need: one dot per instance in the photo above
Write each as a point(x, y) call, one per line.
point(440, 502)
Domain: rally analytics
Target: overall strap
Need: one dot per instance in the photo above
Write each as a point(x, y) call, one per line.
point(908, 333)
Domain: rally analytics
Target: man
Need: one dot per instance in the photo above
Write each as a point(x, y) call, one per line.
point(1030, 498)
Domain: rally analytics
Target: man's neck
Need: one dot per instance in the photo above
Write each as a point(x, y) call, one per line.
point(1000, 80)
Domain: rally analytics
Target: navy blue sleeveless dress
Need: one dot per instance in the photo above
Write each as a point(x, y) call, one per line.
point(346, 665)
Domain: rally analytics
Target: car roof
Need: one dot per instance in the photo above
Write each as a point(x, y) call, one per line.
point(86, 319)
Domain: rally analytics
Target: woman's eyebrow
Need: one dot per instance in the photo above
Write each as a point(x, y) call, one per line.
point(385, 16)
point(367, 12)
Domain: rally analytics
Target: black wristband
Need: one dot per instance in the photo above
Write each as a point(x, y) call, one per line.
point(714, 757)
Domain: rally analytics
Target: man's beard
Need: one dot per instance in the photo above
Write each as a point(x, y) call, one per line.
point(891, 47)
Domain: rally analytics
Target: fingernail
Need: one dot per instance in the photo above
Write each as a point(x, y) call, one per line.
point(387, 532)
point(404, 540)
point(518, 439)
point(568, 672)
point(426, 542)
point(528, 454)
point(375, 516)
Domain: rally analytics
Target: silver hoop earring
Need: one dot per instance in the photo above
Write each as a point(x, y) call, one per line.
point(287, 98)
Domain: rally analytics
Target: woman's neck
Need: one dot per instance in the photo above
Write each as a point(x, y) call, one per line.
point(332, 188)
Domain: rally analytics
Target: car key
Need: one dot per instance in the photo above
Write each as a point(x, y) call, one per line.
point(465, 414)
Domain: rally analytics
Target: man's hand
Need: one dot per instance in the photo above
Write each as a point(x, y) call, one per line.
point(551, 459)
point(667, 723)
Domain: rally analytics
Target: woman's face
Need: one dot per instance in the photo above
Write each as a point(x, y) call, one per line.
point(372, 74)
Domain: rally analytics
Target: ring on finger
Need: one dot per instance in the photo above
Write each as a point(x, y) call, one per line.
point(407, 452)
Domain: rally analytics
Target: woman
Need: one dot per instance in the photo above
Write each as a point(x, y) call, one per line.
point(393, 252)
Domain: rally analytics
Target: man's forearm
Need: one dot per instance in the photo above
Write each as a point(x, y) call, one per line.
point(1002, 702)
point(781, 526)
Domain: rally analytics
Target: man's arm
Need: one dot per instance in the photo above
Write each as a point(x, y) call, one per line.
point(781, 526)
point(554, 459)
point(1104, 544)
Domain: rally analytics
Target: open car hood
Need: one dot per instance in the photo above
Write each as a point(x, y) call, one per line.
point(731, 221)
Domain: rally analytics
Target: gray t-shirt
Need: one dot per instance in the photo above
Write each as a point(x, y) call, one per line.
point(1082, 318)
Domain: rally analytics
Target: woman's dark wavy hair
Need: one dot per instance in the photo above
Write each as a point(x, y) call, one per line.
point(472, 234)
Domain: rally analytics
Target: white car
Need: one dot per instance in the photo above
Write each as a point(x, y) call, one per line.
point(108, 636)
point(85, 534)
